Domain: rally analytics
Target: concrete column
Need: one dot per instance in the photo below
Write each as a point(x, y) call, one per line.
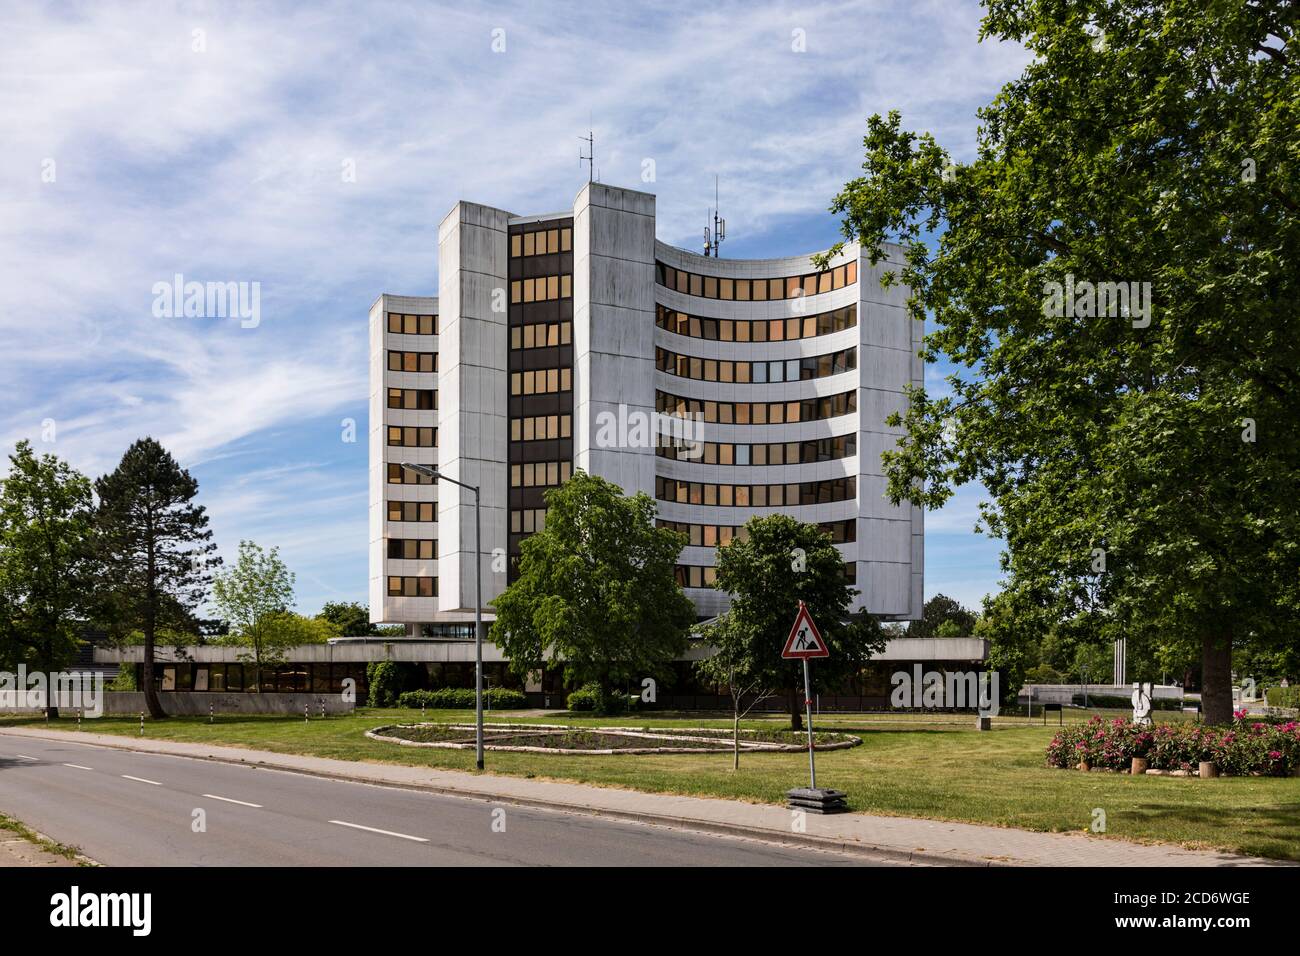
point(613, 331)
point(473, 384)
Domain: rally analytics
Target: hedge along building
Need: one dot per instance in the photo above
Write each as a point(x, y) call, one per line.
point(553, 337)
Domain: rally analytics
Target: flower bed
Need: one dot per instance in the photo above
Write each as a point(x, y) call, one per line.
point(1247, 748)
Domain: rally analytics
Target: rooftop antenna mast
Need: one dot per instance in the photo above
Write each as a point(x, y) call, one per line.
point(590, 140)
point(712, 240)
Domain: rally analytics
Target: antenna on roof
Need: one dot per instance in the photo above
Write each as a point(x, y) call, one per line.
point(590, 140)
point(712, 240)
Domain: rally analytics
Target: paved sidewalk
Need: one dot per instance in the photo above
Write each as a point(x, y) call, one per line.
point(922, 841)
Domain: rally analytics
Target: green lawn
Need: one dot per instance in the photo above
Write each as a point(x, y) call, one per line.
point(908, 765)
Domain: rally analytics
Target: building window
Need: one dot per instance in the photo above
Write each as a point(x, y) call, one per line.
point(404, 586)
point(757, 413)
point(412, 361)
point(541, 242)
point(757, 290)
point(541, 289)
point(397, 475)
point(419, 399)
point(412, 324)
point(540, 474)
point(758, 330)
point(411, 436)
point(743, 496)
point(413, 549)
point(791, 370)
point(412, 511)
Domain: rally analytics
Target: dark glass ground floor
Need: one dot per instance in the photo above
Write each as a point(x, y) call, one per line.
point(677, 688)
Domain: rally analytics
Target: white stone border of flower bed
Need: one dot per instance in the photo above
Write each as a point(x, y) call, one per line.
point(724, 743)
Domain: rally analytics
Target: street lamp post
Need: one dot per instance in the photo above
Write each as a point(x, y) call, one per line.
point(429, 471)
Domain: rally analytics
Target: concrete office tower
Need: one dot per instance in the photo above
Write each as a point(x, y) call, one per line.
point(556, 338)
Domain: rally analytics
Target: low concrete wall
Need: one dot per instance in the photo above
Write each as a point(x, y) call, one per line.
point(1064, 693)
point(189, 703)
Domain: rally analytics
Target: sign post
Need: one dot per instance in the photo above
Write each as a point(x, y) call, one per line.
point(804, 643)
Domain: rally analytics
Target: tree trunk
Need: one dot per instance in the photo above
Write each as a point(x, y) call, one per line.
point(796, 709)
point(151, 701)
point(1216, 679)
point(735, 736)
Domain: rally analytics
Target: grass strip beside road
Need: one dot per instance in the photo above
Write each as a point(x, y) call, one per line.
point(938, 770)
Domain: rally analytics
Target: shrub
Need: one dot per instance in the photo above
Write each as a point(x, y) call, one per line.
point(591, 698)
point(1283, 696)
point(124, 681)
point(462, 698)
point(1248, 747)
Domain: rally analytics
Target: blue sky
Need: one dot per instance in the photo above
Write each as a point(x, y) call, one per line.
point(209, 140)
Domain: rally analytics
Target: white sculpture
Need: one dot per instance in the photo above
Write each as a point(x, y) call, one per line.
point(1142, 704)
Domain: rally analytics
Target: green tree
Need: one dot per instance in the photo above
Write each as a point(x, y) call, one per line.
point(254, 596)
point(734, 665)
point(45, 561)
point(1137, 441)
point(777, 563)
point(941, 610)
point(154, 551)
point(596, 590)
point(351, 619)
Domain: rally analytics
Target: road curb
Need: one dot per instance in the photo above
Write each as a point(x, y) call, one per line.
point(765, 834)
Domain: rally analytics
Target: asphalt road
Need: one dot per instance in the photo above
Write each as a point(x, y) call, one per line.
point(135, 809)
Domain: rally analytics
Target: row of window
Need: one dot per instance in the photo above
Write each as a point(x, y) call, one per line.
point(527, 520)
point(771, 453)
point(540, 427)
point(413, 549)
point(720, 535)
point(540, 474)
point(412, 324)
point(541, 289)
point(756, 330)
point(407, 586)
point(756, 290)
point(409, 436)
point(397, 475)
point(412, 361)
point(755, 496)
point(541, 335)
point(757, 413)
point(542, 381)
point(416, 398)
point(541, 242)
point(704, 576)
point(412, 511)
point(790, 370)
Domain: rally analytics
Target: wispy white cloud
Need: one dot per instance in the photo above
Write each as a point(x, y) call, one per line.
point(227, 163)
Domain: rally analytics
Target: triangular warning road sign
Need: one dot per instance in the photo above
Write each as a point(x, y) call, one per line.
point(805, 640)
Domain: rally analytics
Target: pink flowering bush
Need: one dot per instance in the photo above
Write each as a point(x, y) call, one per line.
point(1248, 747)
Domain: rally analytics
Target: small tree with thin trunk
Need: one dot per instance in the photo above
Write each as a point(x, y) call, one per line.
point(253, 596)
point(733, 665)
point(154, 551)
point(774, 565)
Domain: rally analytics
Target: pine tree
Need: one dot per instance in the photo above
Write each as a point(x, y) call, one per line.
point(155, 550)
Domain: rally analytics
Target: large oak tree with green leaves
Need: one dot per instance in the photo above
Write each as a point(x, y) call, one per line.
point(596, 592)
point(1141, 468)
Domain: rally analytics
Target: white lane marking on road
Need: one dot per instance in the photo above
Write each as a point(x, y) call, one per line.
point(77, 766)
point(127, 776)
point(358, 826)
point(25, 757)
point(242, 803)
